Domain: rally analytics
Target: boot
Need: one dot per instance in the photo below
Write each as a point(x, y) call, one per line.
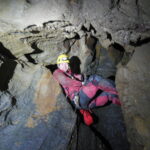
point(116, 101)
point(88, 119)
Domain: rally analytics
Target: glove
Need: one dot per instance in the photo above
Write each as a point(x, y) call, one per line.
point(76, 101)
point(83, 83)
point(88, 119)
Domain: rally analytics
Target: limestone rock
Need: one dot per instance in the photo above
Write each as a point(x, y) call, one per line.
point(14, 44)
point(33, 33)
point(108, 60)
point(133, 84)
point(119, 18)
point(33, 111)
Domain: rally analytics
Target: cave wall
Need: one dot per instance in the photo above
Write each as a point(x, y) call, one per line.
point(133, 84)
point(32, 109)
point(124, 21)
point(102, 34)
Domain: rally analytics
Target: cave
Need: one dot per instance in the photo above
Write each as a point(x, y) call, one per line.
point(109, 38)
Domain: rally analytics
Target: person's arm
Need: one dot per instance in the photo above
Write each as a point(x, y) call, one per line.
point(66, 81)
point(77, 76)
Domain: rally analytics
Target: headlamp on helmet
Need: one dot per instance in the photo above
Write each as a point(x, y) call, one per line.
point(63, 58)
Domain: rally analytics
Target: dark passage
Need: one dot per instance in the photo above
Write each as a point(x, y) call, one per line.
point(108, 132)
point(6, 72)
point(6, 52)
point(36, 51)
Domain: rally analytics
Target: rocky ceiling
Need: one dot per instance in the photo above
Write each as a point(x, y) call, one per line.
point(111, 38)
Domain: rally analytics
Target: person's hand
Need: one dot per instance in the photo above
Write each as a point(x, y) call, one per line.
point(76, 101)
point(83, 83)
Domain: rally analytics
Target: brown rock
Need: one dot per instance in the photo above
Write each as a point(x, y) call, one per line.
point(46, 94)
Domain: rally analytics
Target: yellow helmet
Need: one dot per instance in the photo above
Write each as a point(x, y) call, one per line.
point(63, 58)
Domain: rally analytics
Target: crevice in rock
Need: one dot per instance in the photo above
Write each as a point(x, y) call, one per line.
point(30, 27)
point(72, 145)
point(14, 101)
point(91, 133)
point(118, 1)
point(35, 32)
point(118, 47)
point(84, 29)
point(92, 28)
point(6, 52)
point(109, 36)
point(126, 58)
point(114, 3)
point(61, 23)
point(52, 68)
point(138, 9)
point(99, 139)
point(140, 42)
point(6, 115)
point(68, 43)
point(6, 72)
point(36, 51)
point(112, 78)
point(91, 42)
point(28, 1)
point(89, 29)
point(105, 145)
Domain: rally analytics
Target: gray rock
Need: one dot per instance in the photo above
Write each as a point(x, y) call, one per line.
point(5, 101)
point(133, 84)
point(35, 32)
point(34, 113)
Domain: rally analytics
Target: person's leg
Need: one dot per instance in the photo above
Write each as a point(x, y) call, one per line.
point(103, 84)
point(86, 94)
point(103, 98)
point(83, 100)
point(115, 99)
point(90, 89)
point(95, 79)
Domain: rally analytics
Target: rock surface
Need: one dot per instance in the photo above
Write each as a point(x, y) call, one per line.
point(33, 112)
point(102, 37)
point(108, 132)
point(124, 21)
point(133, 84)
